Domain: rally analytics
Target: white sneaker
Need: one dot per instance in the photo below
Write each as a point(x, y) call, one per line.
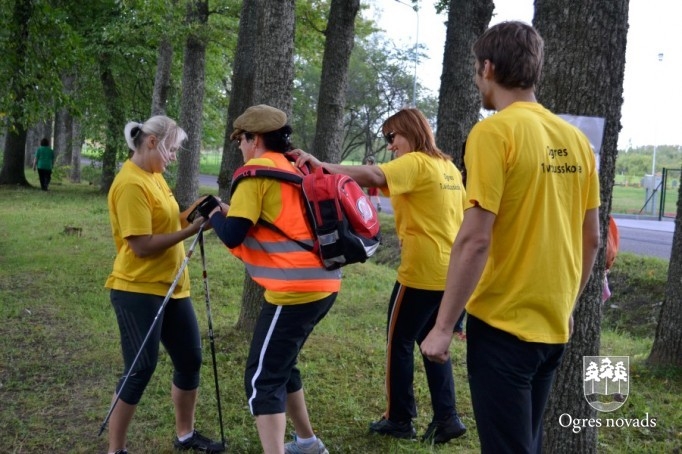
point(293, 448)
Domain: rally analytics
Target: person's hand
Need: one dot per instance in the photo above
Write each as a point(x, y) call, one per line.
point(303, 158)
point(198, 222)
point(208, 206)
point(191, 214)
point(436, 346)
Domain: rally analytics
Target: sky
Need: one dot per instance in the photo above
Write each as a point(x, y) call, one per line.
point(651, 89)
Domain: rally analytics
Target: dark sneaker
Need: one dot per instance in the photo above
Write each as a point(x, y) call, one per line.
point(395, 429)
point(121, 451)
point(199, 443)
point(444, 431)
point(294, 448)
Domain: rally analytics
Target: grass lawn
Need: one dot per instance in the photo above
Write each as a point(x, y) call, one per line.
point(60, 353)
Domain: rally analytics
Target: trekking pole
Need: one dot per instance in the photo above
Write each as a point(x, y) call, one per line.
point(183, 265)
point(210, 336)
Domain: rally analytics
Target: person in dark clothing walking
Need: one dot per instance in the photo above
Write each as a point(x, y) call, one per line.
point(44, 162)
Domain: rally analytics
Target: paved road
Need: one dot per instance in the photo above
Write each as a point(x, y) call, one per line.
point(641, 236)
point(652, 238)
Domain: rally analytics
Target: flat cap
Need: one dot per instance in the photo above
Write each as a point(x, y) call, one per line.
point(259, 119)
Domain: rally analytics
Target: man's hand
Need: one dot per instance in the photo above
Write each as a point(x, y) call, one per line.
point(436, 346)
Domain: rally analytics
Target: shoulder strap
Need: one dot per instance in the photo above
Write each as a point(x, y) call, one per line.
point(254, 170)
point(263, 171)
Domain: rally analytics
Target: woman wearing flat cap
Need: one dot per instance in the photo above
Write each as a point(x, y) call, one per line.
point(299, 291)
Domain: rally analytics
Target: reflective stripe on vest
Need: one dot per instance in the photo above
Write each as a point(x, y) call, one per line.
point(276, 262)
point(291, 274)
point(275, 246)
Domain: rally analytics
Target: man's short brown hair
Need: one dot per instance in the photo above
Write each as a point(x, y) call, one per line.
point(516, 51)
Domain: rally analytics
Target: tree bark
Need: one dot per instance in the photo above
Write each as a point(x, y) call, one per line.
point(193, 79)
point(263, 74)
point(583, 75)
point(340, 34)
point(76, 149)
point(12, 172)
point(242, 93)
point(64, 126)
point(667, 348)
point(163, 76)
point(459, 102)
point(115, 118)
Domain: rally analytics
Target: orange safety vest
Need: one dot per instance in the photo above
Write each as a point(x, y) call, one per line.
point(276, 262)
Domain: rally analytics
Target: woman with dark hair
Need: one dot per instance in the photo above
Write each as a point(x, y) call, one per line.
point(299, 291)
point(427, 196)
point(148, 231)
point(43, 163)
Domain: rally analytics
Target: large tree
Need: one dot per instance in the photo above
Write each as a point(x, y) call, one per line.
point(263, 73)
point(340, 34)
point(16, 60)
point(667, 348)
point(187, 185)
point(459, 101)
point(583, 75)
point(162, 79)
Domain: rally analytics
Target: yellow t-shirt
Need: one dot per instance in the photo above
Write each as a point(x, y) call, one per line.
point(537, 173)
point(141, 203)
point(428, 197)
point(262, 198)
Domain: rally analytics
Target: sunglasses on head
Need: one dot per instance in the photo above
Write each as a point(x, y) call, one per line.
point(389, 137)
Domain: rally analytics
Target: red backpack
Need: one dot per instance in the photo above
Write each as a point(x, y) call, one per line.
point(344, 221)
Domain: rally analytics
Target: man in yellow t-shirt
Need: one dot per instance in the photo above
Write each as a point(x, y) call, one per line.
point(526, 247)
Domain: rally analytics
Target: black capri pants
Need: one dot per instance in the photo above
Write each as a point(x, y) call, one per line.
point(176, 329)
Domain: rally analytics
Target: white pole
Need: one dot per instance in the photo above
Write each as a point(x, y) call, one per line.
point(653, 163)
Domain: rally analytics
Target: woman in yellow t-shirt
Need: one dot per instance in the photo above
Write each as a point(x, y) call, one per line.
point(148, 233)
point(427, 195)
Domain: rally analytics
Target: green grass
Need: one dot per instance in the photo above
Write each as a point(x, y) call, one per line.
point(60, 354)
point(631, 200)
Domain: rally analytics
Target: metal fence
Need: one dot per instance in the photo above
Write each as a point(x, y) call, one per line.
point(669, 187)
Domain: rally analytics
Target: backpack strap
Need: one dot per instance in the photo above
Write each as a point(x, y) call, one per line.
point(254, 170)
point(265, 172)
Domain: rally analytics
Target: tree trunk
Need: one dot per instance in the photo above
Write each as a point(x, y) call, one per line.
point(115, 118)
point(191, 110)
point(340, 34)
point(667, 348)
point(62, 137)
point(583, 75)
point(64, 126)
point(76, 149)
point(275, 65)
point(242, 93)
point(162, 79)
point(459, 102)
point(263, 74)
point(12, 172)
